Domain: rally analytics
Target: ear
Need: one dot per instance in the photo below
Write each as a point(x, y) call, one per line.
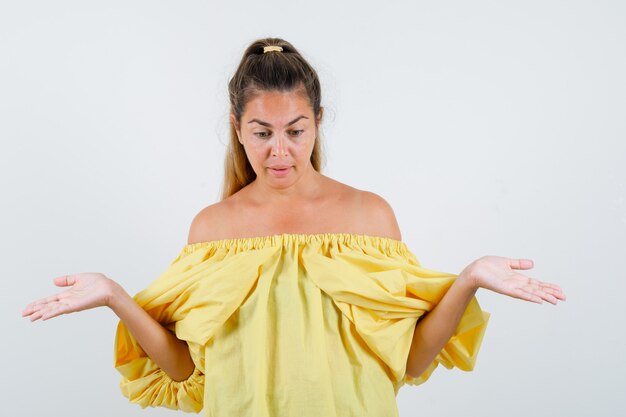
point(319, 116)
point(233, 121)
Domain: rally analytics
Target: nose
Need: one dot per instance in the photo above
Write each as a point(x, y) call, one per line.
point(278, 148)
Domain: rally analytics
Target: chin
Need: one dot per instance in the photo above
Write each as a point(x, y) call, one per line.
point(283, 182)
point(277, 182)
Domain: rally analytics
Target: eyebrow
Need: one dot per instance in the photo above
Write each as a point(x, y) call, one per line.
point(269, 125)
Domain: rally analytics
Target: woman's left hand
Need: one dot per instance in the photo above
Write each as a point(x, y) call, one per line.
point(499, 274)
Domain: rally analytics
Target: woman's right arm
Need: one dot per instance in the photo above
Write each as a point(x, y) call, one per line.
point(89, 290)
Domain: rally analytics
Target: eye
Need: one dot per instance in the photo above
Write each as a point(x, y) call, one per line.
point(262, 134)
point(297, 132)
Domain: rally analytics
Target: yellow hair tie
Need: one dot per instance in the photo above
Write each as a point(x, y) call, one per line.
point(272, 48)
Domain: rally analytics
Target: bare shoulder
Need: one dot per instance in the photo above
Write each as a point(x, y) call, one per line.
point(378, 214)
point(209, 223)
point(366, 212)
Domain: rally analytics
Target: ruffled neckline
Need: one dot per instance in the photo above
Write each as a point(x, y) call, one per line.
point(257, 242)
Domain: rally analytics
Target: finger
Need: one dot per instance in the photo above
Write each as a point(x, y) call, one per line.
point(39, 307)
point(556, 293)
point(42, 301)
point(521, 263)
point(535, 288)
point(551, 285)
point(537, 285)
point(552, 289)
point(55, 310)
point(524, 281)
point(542, 292)
point(36, 315)
point(547, 296)
point(36, 302)
point(32, 308)
point(65, 280)
point(525, 295)
point(27, 311)
point(42, 309)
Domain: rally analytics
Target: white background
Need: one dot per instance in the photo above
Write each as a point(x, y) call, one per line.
point(492, 128)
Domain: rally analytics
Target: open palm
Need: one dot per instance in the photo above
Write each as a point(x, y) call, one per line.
point(87, 290)
point(499, 274)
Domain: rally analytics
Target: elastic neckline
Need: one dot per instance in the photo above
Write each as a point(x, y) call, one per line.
point(280, 238)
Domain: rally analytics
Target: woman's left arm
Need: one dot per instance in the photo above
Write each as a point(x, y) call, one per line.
point(495, 273)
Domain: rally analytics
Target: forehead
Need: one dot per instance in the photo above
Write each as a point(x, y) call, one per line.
point(277, 106)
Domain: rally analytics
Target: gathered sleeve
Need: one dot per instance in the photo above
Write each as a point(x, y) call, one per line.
point(143, 381)
point(193, 298)
point(384, 291)
point(461, 350)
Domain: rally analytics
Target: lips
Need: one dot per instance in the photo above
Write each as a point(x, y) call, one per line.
point(280, 170)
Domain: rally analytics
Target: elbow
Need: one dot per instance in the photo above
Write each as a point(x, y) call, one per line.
point(183, 369)
point(412, 372)
point(416, 364)
point(181, 376)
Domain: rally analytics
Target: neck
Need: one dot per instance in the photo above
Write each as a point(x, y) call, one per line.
point(305, 189)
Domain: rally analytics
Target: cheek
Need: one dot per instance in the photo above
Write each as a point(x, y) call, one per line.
point(301, 153)
point(307, 148)
point(253, 155)
point(304, 145)
point(257, 149)
point(257, 156)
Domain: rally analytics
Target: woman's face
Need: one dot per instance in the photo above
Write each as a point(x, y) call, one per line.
point(278, 131)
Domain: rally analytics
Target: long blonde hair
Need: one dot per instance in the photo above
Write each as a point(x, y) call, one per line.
point(272, 71)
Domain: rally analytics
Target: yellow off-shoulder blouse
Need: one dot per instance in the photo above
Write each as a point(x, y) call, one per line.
point(293, 325)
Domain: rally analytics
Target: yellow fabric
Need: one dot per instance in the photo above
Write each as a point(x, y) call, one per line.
point(293, 325)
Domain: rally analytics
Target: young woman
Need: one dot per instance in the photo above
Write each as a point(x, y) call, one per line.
point(294, 294)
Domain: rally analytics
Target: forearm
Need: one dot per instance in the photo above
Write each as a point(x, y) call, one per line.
point(162, 346)
point(433, 331)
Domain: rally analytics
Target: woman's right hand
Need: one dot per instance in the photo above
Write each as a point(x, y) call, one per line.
point(92, 289)
point(87, 290)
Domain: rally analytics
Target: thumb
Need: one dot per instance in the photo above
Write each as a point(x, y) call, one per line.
point(65, 280)
point(521, 263)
